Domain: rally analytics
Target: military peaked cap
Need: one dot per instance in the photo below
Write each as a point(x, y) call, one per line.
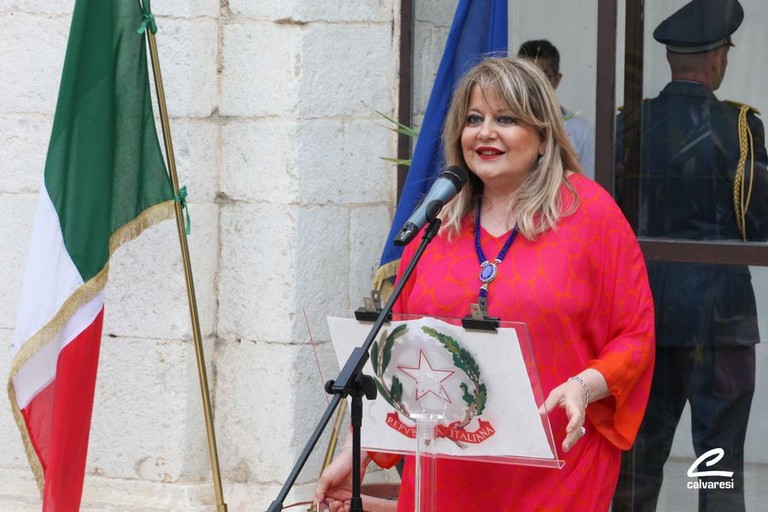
point(700, 26)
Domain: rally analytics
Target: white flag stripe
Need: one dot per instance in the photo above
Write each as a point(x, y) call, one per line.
point(50, 279)
point(51, 276)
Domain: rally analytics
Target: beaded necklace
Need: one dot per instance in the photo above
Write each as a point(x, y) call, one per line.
point(489, 269)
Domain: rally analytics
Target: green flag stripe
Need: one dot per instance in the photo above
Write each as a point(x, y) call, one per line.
point(104, 164)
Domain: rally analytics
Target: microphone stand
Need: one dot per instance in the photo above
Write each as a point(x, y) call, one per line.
point(352, 382)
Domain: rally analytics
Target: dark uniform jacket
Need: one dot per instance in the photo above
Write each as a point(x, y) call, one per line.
point(690, 153)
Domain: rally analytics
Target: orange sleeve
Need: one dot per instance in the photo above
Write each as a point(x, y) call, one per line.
point(385, 460)
point(626, 360)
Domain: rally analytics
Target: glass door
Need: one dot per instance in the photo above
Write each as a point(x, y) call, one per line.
point(691, 176)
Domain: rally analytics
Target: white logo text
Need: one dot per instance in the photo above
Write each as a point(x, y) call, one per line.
point(716, 454)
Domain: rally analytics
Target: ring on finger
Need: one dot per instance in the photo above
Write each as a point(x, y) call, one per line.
point(582, 430)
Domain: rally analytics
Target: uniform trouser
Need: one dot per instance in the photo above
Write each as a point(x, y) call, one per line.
point(718, 383)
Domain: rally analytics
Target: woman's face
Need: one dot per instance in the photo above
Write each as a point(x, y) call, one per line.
point(500, 150)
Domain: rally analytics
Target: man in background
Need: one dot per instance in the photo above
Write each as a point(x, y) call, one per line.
point(702, 177)
point(580, 132)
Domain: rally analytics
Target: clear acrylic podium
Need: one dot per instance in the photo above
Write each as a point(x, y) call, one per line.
point(447, 391)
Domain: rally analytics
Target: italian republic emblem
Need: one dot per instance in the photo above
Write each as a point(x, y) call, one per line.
point(424, 384)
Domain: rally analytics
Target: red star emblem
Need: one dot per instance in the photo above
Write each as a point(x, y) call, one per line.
point(428, 379)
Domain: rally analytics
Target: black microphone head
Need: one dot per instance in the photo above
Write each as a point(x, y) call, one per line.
point(457, 174)
point(447, 184)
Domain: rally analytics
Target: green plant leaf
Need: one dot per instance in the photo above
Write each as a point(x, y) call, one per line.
point(375, 357)
point(570, 116)
point(397, 161)
point(482, 399)
point(470, 364)
point(383, 392)
point(399, 127)
point(466, 395)
point(389, 343)
point(397, 388)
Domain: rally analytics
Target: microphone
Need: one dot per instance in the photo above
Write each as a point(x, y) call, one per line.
point(445, 188)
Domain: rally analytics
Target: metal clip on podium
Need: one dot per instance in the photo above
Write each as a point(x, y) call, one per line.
point(478, 318)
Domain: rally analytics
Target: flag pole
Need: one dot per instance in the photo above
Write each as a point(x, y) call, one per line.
point(221, 506)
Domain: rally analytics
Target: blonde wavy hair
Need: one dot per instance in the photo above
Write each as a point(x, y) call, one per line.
point(527, 93)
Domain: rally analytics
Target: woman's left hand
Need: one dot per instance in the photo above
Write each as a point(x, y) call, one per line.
point(572, 396)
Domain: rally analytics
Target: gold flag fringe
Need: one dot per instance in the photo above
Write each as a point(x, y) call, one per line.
point(384, 278)
point(84, 294)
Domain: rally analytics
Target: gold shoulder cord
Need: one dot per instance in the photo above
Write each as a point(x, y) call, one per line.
point(741, 197)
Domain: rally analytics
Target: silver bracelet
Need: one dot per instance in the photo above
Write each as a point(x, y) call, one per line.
point(583, 384)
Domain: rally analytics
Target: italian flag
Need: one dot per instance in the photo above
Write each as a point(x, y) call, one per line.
point(105, 182)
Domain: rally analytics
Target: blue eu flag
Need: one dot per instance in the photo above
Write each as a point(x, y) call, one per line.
point(479, 28)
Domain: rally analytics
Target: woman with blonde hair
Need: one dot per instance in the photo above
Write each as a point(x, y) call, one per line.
point(535, 241)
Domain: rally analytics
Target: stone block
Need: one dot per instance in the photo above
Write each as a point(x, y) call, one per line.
point(147, 421)
point(430, 41)
point(187, 51)
point(346, 70)
point(268, 11)
point(49, 7)
point(306, 11)
point(261, 68)
point(196, 150)
point(340, 161)
point(259, 160)
point(13, 256)
point(369, 227)
point(322, 258)
point(32, 60)
point(146, 293)
point(368, 11)
point(108, 495)
point(186, 9)
point(257, 281)
point(23, 146)
point(267, 404)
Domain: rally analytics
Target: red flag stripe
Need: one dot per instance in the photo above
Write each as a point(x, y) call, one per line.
point(59, 417)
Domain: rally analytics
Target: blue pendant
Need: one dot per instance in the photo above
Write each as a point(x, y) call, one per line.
point(488, 271)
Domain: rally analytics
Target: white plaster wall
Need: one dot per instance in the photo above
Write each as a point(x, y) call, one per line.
point(276, 137)
point(572, 28)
